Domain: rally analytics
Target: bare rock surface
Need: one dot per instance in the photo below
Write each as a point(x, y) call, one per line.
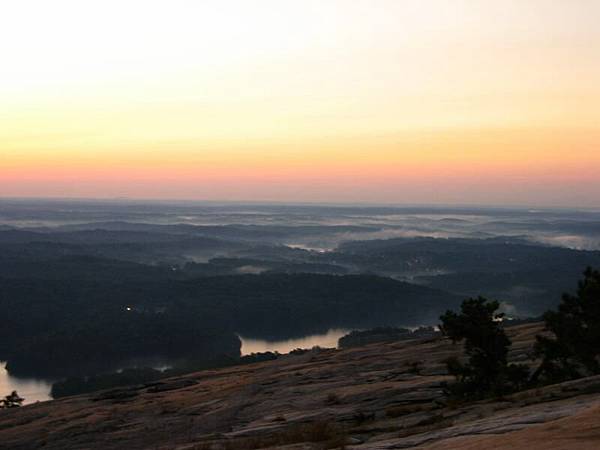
point(380, 396)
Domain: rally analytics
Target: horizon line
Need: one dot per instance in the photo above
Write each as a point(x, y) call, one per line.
point(341, 204)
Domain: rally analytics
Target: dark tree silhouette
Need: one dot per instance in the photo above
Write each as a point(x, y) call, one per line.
point(12, 401)
point(486, 371)
point(573, 348)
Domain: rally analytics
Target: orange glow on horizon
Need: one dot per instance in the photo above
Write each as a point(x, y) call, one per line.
point(406, 102)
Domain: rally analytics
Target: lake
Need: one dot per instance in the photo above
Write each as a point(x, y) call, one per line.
point(329, 340)
point(31, 389)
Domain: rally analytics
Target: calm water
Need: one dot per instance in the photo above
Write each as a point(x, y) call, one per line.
point(31, 389)
point(329, 339)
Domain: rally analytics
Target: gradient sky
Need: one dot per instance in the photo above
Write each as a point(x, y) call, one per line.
point(487, 102)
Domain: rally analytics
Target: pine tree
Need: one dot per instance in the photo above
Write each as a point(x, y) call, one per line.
point(486, 371)
point(573, 348)
point(12, 401)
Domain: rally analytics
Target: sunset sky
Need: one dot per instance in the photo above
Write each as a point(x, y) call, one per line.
point(464, 102)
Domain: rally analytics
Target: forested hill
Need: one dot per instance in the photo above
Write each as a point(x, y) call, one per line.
point(121, 310)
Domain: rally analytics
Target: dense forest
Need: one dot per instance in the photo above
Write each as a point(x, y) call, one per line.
point(90, 288)
point(87, 311)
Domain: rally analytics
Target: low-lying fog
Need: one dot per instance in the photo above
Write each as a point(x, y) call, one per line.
point(319, 228)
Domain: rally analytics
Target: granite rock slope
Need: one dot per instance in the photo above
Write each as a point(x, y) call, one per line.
point(380, 396)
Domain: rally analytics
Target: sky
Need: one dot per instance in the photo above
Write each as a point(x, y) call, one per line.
point(384, 101)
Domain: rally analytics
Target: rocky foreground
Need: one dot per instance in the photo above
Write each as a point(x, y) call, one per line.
point(380, 396)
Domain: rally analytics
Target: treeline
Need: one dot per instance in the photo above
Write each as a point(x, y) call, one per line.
point(132, 376)
point(91, 314)
point(358, 338)
point(528, 276)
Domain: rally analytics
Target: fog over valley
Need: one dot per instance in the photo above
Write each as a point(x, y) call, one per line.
point(89, 286)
